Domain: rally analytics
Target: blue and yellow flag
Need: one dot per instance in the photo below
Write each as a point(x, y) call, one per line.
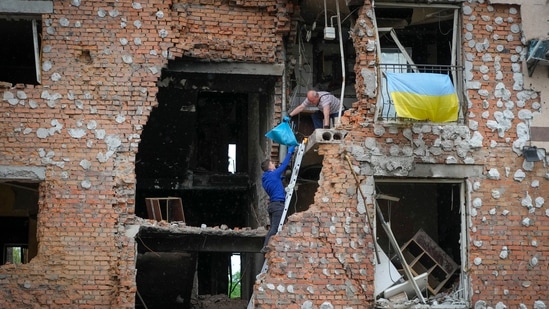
point(423, 96)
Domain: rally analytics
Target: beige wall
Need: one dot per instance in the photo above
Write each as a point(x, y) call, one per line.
point(535, 25)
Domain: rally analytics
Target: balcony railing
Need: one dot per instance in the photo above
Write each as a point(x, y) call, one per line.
point(386, 109)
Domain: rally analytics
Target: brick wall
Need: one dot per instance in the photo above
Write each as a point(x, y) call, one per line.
point(323, 255)
point(83, 123)
point(507, 257)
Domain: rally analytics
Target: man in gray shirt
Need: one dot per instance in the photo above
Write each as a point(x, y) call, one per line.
point(328, 108)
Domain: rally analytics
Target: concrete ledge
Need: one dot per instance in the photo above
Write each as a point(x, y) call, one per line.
point(446, 170)
point(22, 173)
point(27, 7)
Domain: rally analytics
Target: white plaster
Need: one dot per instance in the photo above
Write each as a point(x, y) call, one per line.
point(504, 253)
point(500, 305)
point(477, 261)
point(451, 160)
point(519, 175)
point(85, 164)
point(86, 184)
point(476, 185)
point(539, 201)
point(132, 230)
point(127, 59)
point(493, 174)
point(477, 202)
point(114, 13)
point(476, 140)
point(77, 133)
point(42, 133)
point(534, 261)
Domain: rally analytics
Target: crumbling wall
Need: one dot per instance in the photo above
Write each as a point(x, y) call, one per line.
point(324, 255)
point(101, 61)
point(506, 210)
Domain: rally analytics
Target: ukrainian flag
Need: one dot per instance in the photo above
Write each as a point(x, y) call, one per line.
point(423, 96)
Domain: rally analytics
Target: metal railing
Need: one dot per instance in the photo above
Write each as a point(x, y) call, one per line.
point(386, 109)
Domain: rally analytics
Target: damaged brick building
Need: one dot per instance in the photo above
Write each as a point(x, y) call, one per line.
point(132, 134)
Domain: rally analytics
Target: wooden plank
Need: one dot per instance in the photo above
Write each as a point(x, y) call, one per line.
point(172, 207)
point(395, 245)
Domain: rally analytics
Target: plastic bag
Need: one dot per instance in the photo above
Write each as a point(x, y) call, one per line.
point(283, 134)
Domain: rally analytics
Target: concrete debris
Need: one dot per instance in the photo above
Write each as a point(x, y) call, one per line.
point(182, 227)
point(448, 299)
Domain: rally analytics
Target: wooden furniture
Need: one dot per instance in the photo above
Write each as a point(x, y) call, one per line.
point(165, 209)
point(423, 255)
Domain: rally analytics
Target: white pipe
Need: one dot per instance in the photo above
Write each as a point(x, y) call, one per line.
point(325, 15)
point(283, 149)
point(342, 66)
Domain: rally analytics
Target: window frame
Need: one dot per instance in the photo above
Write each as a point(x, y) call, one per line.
point(31, 10)
point(455, 68)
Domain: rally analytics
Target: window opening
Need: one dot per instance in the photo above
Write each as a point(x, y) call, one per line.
point(18, 221)
point(426, 219)
point(416, 39)
point(235, 277)
point(232, 158)
point(16, 254)
point(20, 60)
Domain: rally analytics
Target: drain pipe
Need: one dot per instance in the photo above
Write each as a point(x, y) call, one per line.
point(342, 65)
point(283, 149)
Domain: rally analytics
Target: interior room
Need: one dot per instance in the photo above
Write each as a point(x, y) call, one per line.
point(18, 213)
point(425, 220)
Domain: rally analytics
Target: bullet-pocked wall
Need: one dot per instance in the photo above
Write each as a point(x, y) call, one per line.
point(81, 125)
point(497, 197)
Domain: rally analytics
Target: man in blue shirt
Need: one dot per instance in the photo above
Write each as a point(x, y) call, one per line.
point(272, 184)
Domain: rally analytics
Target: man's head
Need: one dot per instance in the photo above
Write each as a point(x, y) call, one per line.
point(267, 165)
point(313, 97)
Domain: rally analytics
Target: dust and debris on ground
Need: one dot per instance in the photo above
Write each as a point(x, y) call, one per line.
point(450, 299)
point(182, 227)
point(217, 301)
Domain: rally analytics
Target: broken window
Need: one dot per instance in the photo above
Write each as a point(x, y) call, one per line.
point(20, 60)
point(426, 219)
point(419, 39)
point(538, 54)
point(18, 213)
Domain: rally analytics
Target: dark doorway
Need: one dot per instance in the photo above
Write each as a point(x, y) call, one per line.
point(425, 220)
point(18, 221)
